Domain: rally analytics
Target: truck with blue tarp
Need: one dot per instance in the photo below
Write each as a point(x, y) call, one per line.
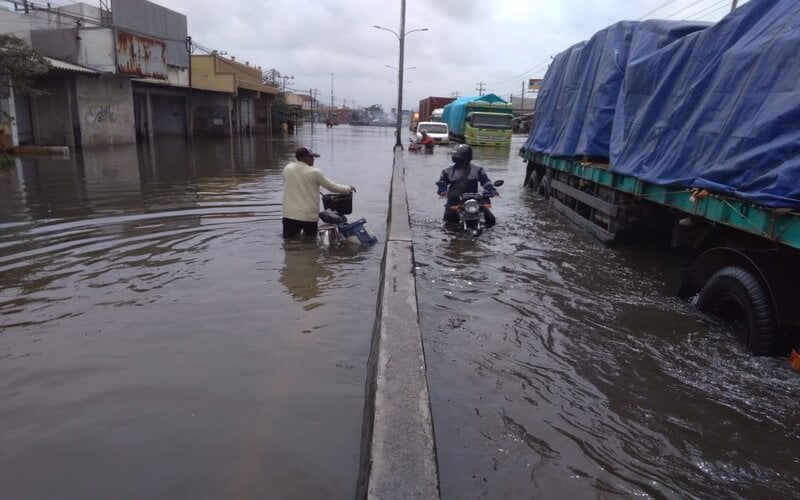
point(689, 132)
point(479, 120)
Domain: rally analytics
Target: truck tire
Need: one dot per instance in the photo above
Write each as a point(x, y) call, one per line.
point(736, 295)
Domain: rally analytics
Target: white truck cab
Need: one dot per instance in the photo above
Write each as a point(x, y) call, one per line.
point(438, 131)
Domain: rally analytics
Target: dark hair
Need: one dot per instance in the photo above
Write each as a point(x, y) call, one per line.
point(301, 153)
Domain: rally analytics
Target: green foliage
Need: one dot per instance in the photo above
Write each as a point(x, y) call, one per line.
point(6, 161)
point(19, 64)
point(280, 109)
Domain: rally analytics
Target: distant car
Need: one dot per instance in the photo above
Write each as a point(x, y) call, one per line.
point(437, 131)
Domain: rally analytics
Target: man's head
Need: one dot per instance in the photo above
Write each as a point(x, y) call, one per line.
point(461, 154)
point(424, 133)
point(305, 155)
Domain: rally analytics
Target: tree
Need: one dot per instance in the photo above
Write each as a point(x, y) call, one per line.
point(19, 64)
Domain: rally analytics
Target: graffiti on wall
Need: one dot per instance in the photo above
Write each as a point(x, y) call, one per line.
point(99, 114)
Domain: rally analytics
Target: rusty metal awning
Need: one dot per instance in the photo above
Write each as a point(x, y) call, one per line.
point(72, 67)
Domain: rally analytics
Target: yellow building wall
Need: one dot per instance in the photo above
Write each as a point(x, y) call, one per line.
point(205, 75)
point(212, 72)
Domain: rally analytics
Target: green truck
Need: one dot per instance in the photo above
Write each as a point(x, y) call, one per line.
point(675, 138)
point(479, 121)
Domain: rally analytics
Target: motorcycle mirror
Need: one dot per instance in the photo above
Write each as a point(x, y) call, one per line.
point(499, 182)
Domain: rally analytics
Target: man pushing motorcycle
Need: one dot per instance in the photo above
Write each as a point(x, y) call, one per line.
point(461, 177)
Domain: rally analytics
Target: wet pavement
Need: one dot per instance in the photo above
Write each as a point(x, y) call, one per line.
point(158, 340)
point(560, 368)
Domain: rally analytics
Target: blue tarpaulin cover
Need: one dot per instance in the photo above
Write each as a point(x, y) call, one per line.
point(719, 109)
point(715, 108)
point(455, 112)
point(577, 102)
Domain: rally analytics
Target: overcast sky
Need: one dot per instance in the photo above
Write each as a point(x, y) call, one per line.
point(498, 42)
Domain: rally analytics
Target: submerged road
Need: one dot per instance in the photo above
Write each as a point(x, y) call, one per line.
point(158, 339)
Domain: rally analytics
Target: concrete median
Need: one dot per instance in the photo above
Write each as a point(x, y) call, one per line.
point(398, 455)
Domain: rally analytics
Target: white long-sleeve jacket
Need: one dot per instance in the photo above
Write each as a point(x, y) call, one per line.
point(301, 183)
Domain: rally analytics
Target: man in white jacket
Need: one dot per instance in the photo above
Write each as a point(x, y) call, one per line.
point(301, 183)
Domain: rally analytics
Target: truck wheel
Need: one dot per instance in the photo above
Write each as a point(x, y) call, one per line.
point(735, 295)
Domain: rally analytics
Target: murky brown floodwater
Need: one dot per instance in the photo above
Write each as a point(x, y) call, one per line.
point(158, 340)
point(559, 368)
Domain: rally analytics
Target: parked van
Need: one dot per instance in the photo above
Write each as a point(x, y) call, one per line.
point(437, 131)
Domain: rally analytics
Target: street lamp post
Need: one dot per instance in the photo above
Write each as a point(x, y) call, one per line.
point(401, 38)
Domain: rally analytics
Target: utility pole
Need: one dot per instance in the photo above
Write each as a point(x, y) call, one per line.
point(480, 87)
point(454, 95)
point(522, 106)
point(285, 78)
point(314, 93)
point(331, 112)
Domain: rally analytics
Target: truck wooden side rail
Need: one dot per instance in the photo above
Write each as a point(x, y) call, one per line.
point(750, 270)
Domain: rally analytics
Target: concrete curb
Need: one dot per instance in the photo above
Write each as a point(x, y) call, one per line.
point(398, 455)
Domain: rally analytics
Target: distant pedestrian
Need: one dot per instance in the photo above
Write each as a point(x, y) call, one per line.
point(301, 184)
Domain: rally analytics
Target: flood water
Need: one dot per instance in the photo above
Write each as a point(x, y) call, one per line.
point(559, 368)
point(159, 340)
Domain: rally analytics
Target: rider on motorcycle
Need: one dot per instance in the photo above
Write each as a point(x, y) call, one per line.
point(426, 141)
point(461, 177)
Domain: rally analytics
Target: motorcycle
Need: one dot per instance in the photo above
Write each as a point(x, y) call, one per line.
point(335, 229)
point(419, 147)
point(472, 210)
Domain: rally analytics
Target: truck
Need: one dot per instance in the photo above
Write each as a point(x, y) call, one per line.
point(428, 104)
point(479, 120)
point(686, 133)
point(436, 115)
point(413, 120)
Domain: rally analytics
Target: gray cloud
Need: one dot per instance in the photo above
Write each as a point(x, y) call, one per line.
point(500, 42)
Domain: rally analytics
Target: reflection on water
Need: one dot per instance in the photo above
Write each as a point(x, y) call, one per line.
point(151, 319)
point(559, 368)
point(302, 273)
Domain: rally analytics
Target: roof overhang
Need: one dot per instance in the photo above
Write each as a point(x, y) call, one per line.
point(60, 65)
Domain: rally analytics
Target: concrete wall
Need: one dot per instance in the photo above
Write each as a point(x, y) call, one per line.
point(212, 114)
point(61, 44)
point(22, 119)
point(92, 47)
point(81, 9)
point(51, 113)
point(177, 75)
point(97, 49)
point(169, 115)
point(263, 109)
point(21, 24)
point(105, 110)
point(149, 19)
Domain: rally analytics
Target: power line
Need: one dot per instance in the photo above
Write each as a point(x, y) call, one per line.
point(703, 12)
point(665, 4)
point(685, 8)
point(524, 73)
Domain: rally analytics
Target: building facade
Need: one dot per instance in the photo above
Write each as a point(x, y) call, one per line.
point(127, 73)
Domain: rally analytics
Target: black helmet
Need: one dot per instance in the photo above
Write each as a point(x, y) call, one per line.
point(461, 154)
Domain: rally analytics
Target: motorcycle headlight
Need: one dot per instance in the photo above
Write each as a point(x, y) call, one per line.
point(472, 207)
